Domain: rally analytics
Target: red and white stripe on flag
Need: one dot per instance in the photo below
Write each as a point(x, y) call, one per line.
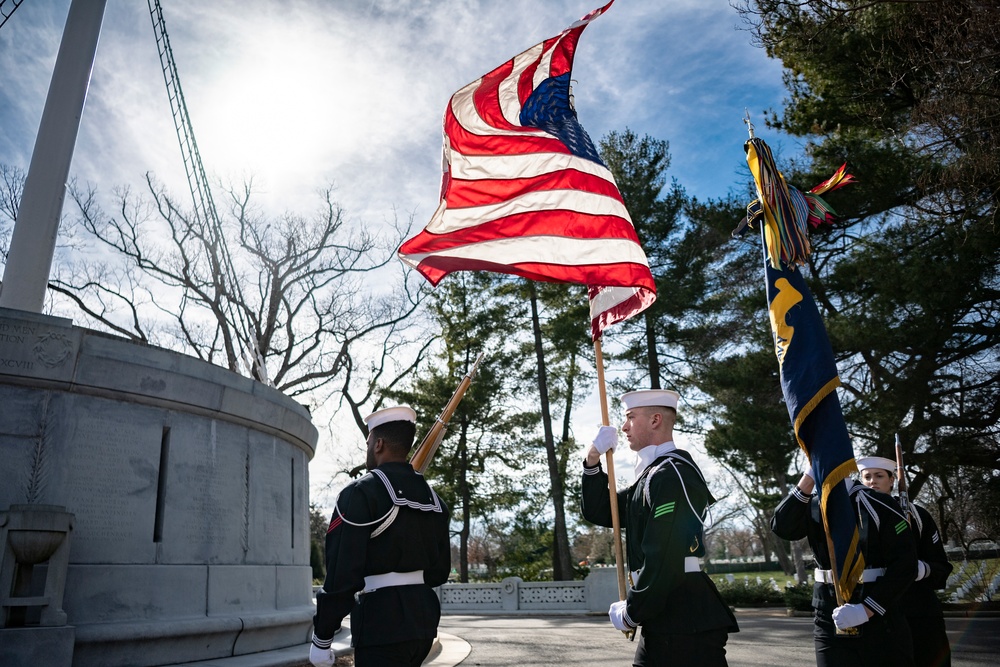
point(614, 304)
point(524, 190)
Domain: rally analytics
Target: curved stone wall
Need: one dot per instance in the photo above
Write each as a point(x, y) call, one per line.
point(189, 485)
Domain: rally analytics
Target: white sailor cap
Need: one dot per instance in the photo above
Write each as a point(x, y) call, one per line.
point(661, 398)
point(401, 413)
point(879, 462)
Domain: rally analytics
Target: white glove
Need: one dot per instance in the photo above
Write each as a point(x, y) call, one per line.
point(849, 616)
point(606, 438)
point(619, 618)
point(321, 657)
point(923, 570)
point(810, 474)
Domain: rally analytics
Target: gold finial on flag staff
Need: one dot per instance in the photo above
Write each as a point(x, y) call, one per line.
point(746, 119)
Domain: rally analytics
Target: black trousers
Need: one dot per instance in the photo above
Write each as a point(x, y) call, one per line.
point(400, 654)
point(884, 641)
point(702, 649)
point(930, 641)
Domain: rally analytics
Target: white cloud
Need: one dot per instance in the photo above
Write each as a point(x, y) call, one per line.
point(306, 92)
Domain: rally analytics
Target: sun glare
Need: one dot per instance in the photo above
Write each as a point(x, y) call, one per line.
point(273, 112)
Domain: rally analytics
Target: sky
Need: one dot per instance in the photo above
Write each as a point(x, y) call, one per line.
point(304, 93)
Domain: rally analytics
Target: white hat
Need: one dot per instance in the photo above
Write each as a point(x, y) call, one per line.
point(661, 398)
point(401, 413)
point(879, 462)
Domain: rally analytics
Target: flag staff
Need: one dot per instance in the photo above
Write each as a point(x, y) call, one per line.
point(494, 208)
point(783, 237)
point(834, 571)
point(609, 457)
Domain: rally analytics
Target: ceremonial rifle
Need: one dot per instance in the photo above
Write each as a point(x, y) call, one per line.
point(904, 496)
point(428, 447)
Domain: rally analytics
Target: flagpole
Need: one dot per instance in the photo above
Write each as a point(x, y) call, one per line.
point(834, 572)
point(610, 459)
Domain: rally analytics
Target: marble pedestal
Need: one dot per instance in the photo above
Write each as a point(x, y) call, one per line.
point(189, 488)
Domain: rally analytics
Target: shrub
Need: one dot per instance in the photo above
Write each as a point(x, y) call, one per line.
point(748, 593)
point(316, 561)
point(798, 597)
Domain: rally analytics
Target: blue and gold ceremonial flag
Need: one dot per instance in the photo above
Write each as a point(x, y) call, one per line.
point(809, 378)
point(809, 383)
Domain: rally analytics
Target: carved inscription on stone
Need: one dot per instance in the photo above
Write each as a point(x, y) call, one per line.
point(32, 348)
point(16, 340)
point(206, 490)
point(271, 485)
point(111, 485)
point(17, 332)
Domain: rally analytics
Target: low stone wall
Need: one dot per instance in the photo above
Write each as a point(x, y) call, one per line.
point(514, 595)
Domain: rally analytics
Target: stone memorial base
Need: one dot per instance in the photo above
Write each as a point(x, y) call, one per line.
point(52, 647)
point(189, 490)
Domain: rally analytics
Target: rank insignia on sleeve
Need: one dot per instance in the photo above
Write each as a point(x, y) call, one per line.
point(901, 526)
point(665, 508)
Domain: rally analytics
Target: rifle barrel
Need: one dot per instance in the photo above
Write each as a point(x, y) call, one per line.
point(901, 487)
point(421, 458)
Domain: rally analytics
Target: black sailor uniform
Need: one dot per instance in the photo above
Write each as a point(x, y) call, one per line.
point(661, 513)
point(389, 520)
point(886, 542)
point(920, 601)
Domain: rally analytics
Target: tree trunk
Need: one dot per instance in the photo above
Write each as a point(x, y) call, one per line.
point(772, 543)
point(567, 416)
point(562, 569)
point(463, 539)
point(800, 566)
point(651, 354)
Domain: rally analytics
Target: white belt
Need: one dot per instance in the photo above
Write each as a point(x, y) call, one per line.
point(691, 564)
point(870, 574)
point(376, 581)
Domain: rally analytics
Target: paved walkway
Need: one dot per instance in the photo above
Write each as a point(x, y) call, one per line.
point(766, 639)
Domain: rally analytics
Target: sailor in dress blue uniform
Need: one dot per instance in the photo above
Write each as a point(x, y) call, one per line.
point(684, 620)
point(387, 547)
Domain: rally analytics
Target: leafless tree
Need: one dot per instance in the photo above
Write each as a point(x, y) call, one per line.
point(313, 306)
point(720, 517)
point(594, 544)
point(288, 300)
point(484, 550)
point(964, 506)
point(11, 185)
point(740, 542)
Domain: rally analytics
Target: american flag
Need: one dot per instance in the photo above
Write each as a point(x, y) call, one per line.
point(525, 192)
